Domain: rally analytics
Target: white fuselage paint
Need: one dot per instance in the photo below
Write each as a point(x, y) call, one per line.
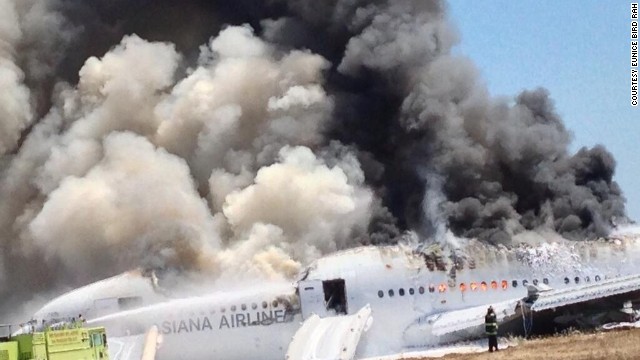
point(259, 323)
point(242, 324)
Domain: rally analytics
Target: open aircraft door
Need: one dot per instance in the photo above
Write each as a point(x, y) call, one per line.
point(323, 297)
point(312, 298)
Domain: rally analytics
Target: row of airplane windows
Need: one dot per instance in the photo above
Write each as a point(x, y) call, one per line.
point(274, 304)
point(254, 306)
point(483, 286)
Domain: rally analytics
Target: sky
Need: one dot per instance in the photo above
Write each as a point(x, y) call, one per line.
point(579, 51)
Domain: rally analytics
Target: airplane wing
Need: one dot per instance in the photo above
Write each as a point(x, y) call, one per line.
point(556, 298)
point(453, 321)
point(538, 300)
point(334, 337)
point(137, 347)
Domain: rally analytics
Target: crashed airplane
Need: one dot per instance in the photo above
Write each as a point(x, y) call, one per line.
point(363, 302)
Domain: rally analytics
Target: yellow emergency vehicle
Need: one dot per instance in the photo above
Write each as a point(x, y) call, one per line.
point(70, 342)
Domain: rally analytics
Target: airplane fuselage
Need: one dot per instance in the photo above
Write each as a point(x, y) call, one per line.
point(403, 287)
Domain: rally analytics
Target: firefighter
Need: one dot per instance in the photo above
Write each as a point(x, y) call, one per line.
point(491, 328)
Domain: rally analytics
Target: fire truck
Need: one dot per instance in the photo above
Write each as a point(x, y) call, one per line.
point(63, 342)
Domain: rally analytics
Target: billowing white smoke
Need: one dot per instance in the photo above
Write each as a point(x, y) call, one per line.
point(221, 172)
point(116, 93)
point(241, 105)
point(15, 109)
point(298, 205)
point(101, 220)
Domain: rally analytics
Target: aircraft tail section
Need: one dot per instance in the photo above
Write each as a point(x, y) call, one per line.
point(334, 337)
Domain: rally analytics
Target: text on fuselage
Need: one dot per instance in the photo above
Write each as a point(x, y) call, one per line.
point(229, 321)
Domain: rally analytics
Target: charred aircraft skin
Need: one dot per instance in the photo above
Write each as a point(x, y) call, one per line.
point(407, 290)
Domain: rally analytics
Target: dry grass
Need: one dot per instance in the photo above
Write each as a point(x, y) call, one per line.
point(619, 345)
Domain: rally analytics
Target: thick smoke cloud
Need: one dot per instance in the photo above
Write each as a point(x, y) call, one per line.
point(15, 110)
point(110, 205)
point(246, 140)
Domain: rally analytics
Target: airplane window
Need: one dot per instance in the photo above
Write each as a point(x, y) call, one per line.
point(505, 284)
point(390, 293)
point(483, 286)
point(274, 303)
point(587, 279)
point(525, 282)
point(411, 292)
point(474, 286)
point(566, 280)
point(380, 293)
point(442, 288)
point(421, 290)
point(597, 277)
point(243, 307)
point(494, 285)
point(577, 279)
point(233, 308)
point(545, 281)
point(463, 287)
point(514, 283)
point(223, 310)
point(432, 288)
point(254, 306)
point(264, 304)
point(535, 281)
point(401, 292)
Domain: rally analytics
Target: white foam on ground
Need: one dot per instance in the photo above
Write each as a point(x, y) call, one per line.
point(621, 326)
point(467, 347)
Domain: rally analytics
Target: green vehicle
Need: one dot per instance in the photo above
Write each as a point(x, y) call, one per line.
point(75, 343)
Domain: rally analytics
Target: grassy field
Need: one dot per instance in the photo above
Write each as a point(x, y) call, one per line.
point(619, 345)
